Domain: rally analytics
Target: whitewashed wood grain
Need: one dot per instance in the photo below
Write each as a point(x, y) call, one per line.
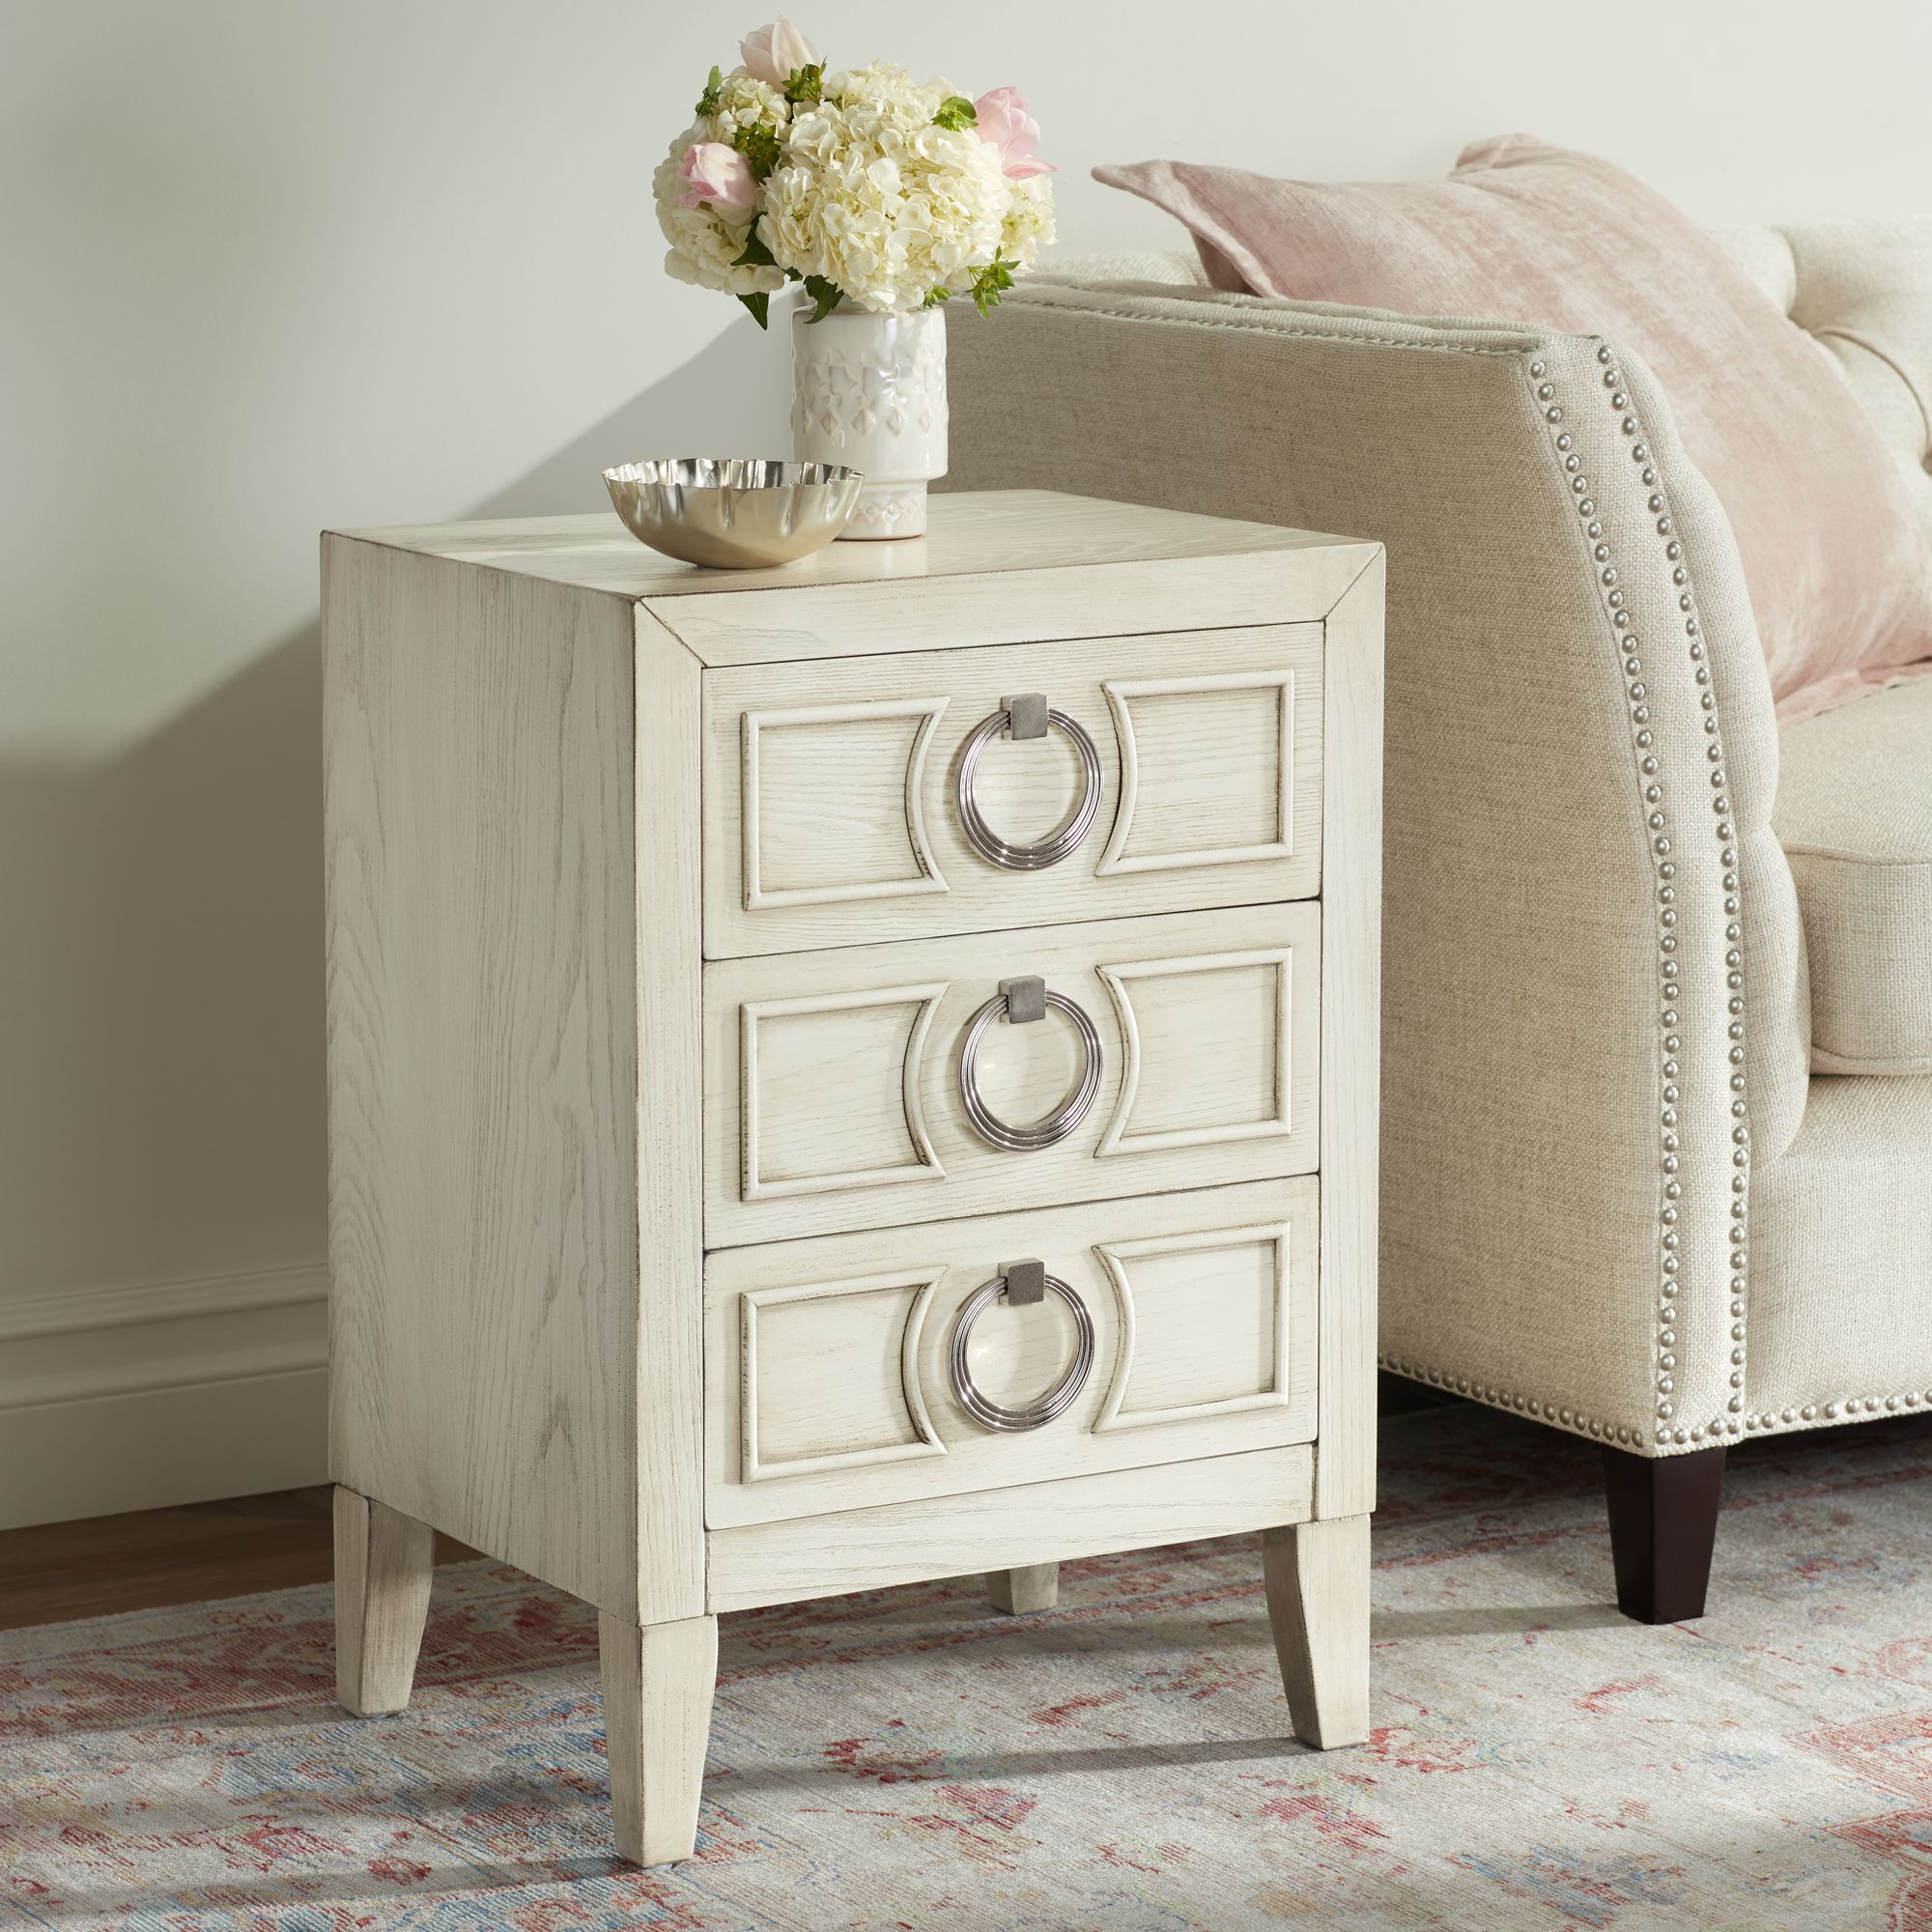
point(669, 1384)
point(383, 1563)
point(482, 797)
point(843, 1397)
point(1006, 1530)
point(1318, 1597)
point(536, 803)
point(972, 533)
point(659, 1681)
point(829, 1376)
point(831, 810)
point(819, 1105)
point(1027, 1592)
point(1345, 1480)
point(1089, 600)
point(1214, 1323)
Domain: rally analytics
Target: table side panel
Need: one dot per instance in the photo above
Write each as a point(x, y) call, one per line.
point(670, 1089)
point(1351, 1047)
point(482, 1061)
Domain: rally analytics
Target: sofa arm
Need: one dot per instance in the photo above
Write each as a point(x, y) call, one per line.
point(1594, 1009)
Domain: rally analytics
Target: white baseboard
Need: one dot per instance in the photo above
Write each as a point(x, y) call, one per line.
point(166, 1392)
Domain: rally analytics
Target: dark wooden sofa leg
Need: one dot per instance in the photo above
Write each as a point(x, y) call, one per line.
point(1664, 1522)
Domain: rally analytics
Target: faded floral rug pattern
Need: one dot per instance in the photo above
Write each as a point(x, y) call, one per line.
point(911, 1760)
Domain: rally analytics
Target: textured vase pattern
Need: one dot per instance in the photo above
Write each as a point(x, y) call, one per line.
point(870, 391)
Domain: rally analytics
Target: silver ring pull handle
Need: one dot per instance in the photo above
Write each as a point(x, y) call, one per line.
point(1027, 716)
point(1019, 1001)
point(1021, 1281)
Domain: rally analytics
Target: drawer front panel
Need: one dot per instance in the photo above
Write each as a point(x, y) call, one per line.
point(827, 1378)
point(832, 813)
point(834, 1087)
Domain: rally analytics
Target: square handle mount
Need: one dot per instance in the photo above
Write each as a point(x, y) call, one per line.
point(1026, 1282)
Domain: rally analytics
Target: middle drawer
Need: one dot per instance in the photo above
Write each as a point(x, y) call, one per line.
point(838, 1094)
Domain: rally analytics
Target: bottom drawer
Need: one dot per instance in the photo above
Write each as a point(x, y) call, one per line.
point(828, 1383)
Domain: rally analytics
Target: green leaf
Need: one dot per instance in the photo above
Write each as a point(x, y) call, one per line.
point(714, 92)
point(759, 146)
point(761, 305)
point(935, 296)
point(756, 255)
point(956, 112)
point(825, 297)
point(807, 84)
point(991, 282)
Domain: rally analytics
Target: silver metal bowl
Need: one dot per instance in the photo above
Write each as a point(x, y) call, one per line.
point(733, 512)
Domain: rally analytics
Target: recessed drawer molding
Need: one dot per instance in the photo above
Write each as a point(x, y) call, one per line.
point(1203, 1084)
point(1234, 1282)
point(862, 848)
point(854, 801)
point(1162, 822)
point(791, 1049)
point(795, 1426)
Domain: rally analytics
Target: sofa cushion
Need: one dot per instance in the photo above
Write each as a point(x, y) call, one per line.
point(1836, 550)
point(1854, 813)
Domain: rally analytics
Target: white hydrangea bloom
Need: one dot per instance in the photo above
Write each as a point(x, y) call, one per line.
point(703, 244)
point(877, 200)
point(745, 102)
point(1028, 225)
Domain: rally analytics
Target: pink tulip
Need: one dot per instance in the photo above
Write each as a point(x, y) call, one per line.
point(1004, 121)
point(720, 175)
point(775, 53)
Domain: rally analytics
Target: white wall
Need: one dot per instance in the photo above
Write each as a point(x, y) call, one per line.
point(268, 266)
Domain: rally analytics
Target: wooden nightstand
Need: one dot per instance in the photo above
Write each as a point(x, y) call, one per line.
point(850, 1074)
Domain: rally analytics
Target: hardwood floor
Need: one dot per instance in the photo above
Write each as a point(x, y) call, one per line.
point(58, 1570)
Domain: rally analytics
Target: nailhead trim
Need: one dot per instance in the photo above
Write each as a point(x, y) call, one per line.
point(1669, 1428)
point(1847, 1408)
point(1577, 1421)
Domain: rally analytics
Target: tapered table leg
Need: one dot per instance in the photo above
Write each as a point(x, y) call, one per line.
point(1024, 1593)
point(658, 1686)
point(1317, 1599)
point(384, 1562)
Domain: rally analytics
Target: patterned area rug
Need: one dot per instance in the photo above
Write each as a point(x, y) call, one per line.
point(911, 1760)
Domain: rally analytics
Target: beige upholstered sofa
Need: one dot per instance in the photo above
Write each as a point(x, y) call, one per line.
point(1658, 1011)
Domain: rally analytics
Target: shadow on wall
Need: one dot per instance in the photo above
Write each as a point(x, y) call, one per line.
point(735, 392)
point(162, 913)
point(162, 1031)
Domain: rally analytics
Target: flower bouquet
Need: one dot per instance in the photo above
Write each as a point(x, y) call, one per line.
point(884, 198)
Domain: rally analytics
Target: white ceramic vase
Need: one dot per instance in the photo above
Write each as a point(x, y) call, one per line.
point(870, 391)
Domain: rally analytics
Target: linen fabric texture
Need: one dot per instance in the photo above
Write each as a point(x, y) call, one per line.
point(1830, 502)
point(1524, 1085)
point(1526, 1050)
point(1854, 813)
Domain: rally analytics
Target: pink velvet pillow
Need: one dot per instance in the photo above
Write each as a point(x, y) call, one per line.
point(1839, 569)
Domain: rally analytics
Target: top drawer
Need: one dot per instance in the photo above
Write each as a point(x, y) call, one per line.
point(833, 789)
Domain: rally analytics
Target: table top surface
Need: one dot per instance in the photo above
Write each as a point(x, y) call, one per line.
point(972, 533)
